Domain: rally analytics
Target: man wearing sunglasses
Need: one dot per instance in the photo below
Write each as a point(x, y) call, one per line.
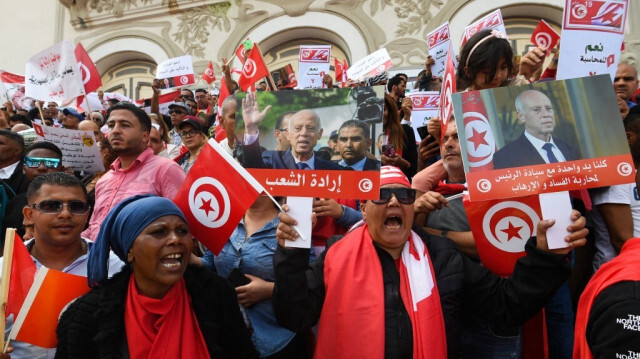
point(402, 292)
point(177, 111)
point(58, 208)
point(40, 158)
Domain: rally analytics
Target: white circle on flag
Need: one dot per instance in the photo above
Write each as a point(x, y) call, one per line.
point(579, 11)
point(446, 105)
point(543, 39)
point(514, 225)
point(84, 72)
point(365, 185)
point(249, 68)
point(184, 80)
point(209, 209)
point(481, 146)
point(624, 169)
point(483, 185)
point(208, 72)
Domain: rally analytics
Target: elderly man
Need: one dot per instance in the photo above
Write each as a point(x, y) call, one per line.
point(382, 282)
point(625, 82)
point(58, 208)
point(304, 132)
point(353, 142)
point(536, 145)
point(89, 125)
point(228, 122)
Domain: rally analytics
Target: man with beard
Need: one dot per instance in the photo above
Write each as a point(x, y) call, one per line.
point(136, 170)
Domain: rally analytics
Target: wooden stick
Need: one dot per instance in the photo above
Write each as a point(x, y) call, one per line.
point(88, 107)
point(9, 240)
point(40, 111)
point(231, 59)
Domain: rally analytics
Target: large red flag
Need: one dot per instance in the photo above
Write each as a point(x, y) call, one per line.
point(480, 144)
point(215, 196)
point(208, 75)
point(448, 88)
point(253, 70)
point(339, 70)
point(90, 75)
point(51, 291)
point(23, 269)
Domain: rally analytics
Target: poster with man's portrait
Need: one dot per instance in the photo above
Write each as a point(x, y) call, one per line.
point(540, 138)
point(311, 143)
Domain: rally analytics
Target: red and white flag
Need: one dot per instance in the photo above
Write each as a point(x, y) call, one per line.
point(215, 196)
point(545, 36)
point(9, 78)
point(220, 133)
point(23, 269)
point(90, 75)
point(480, 142)
point(164, 101)
point(339, 71)
point(176, 72)
point(492, 20)
point(254, 69)
point(448, 88)
point(501, 228)
point(51, 291)
point(53, 74)
point(291, 77)
point(208, 75)
point(12, 86)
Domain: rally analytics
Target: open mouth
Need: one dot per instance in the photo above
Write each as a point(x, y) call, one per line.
point(393, 223)
point(172, 261)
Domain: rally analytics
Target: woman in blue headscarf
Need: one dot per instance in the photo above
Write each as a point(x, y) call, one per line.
point(157, 306)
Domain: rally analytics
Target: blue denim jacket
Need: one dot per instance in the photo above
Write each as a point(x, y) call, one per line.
point(254, 256)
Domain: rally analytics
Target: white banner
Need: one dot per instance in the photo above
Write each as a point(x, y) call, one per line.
point(313, 64)
point(96, 105)
point(370, 66)
point(592, 35)
point(53, 74)
point(425, 106)
point(438, 42)
point(176, 72)
point(79, 148)
point(491, 21)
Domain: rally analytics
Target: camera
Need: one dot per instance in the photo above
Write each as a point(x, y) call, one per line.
point(370, 108)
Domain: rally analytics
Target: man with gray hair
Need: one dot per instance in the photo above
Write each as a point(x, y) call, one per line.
point(625, 82)
point(228, 122)
point(536, 145)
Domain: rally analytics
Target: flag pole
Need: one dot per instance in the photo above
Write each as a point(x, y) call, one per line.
point(9, 240)
point(88, 106)
point(40, 111)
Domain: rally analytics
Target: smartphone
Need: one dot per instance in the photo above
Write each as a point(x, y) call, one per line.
point(423, 131)
point(237, 278)
point(389, 150)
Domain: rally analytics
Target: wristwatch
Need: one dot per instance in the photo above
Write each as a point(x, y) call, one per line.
point(444, 233)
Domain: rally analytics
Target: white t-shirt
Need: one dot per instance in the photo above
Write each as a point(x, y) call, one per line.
point(619, 194)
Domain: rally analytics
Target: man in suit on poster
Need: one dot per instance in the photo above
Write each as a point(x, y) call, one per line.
point(536, 145)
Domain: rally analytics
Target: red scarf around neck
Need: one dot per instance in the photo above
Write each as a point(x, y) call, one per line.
point(352, 322)
point(162, 328)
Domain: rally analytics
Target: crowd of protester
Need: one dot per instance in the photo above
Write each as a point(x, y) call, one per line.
point(360, 293)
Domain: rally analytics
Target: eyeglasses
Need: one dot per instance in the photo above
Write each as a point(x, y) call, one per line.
point(35, 162)
point(54, 206)
point(187, 134)
point(177, 112)
point(403, 195)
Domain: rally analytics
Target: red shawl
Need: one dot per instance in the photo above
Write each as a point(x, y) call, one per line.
point(352, 322)
point(162, 328)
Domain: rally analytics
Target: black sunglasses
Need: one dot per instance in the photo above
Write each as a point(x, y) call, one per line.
point(403, 195)
point(54, 206)
point(178, 112)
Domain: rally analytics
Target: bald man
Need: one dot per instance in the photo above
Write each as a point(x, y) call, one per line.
point(536, 145)
point(89, 125)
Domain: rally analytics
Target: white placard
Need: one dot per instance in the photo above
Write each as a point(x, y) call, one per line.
point(372, 65)
point(53, 74)
point(556, 205)
point(79, 148)
point(425, 106)
point(438, 42)
point(313, 64)
point(592, 36)
point(175, 72)
point(491, 21)
point(300, 209)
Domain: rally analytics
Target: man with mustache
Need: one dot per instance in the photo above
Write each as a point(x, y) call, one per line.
point(137, 170)
point(536, 145)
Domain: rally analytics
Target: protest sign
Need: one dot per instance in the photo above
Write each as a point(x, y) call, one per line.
point(370, 66)
point(79, 148)
point(285, 77)
point(592, 35)
point(490, 21)
point(425, 106)
point(12, 86)
point(439, 42)
point(545, 36)
point(356, 115)
point(94, 102)
point(577, 145)
point(176, 72)
point(53, 74)
point(448, 88)
point(313, 64)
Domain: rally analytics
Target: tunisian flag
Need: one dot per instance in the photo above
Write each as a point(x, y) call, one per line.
point(23, 269)
point(481, 145)
point(208, 75)
point(339, 71)
point(90, 75)
point(220, 133)
point(448, 88)
point(253, 70)
point(215, 196)
point(51, 291)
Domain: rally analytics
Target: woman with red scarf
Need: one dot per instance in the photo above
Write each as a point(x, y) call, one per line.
point(157, 306)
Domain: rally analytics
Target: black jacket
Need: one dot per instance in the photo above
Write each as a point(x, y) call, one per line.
point(18, 180)
point(521, 152)
point(93, 325)
point(465, 288)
